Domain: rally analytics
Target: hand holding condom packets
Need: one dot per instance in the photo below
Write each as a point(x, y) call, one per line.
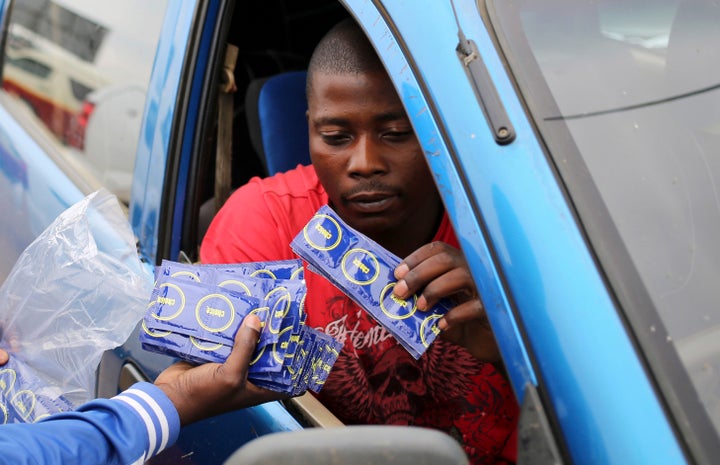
point(363, 270)
point(208, 315)
point(195, 311)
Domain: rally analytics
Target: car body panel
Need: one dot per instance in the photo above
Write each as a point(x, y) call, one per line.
point(557, 291)
point(150, 162)
point(37, 178)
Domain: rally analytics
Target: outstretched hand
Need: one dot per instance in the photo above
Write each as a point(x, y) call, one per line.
point(440, 271)
point(210, 389)
point(4, 357)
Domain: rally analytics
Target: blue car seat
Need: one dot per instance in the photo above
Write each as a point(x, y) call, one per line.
point(275, 109)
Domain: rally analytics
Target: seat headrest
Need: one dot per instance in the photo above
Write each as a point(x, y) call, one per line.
point(275, 109)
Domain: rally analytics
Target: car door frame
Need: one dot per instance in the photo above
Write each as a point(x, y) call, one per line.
point(523, 241)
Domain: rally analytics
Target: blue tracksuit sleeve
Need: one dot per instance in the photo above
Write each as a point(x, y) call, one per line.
point(127, 429)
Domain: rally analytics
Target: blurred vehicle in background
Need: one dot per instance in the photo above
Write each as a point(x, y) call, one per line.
point(106, 130)
point(51, 80)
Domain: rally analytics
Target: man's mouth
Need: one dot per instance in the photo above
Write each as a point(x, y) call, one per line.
point(370, 201)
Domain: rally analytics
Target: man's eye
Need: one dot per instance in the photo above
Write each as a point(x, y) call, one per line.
point(398, 135)
point(335, 138)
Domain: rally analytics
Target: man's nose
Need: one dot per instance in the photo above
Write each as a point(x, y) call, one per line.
point(367, 158)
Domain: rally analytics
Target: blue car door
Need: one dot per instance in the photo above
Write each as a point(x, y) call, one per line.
point(166, 150)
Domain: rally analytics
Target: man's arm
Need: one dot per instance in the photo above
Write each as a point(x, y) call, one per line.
point(143, 420)
point(126, 429)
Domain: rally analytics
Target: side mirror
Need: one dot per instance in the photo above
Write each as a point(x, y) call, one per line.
point(352, 445)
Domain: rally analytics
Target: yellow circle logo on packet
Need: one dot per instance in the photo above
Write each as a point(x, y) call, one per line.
point(205, 345)
point(5, 414)
point(170, 302)
point(24, 403)
point(282, 344)
point(263, 313)
point(360, 266)
point(259, 355)
point(395, 307)
point(322, 232)
point(234, 284)
point(215, 313)
point(301, 308)
point(263, 273)
point(7, 379)
point(429, 325)
point(189, 274)
point(154, 333)
point(280, 307)
point(297, 274)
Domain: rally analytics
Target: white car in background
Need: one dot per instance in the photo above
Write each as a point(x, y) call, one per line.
point(51, 80)
point(106, 132)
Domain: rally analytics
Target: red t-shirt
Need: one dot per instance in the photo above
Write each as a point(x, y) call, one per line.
point(375, 380)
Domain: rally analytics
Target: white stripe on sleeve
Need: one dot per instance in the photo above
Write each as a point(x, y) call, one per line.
point(135, 405)
point(162, 419)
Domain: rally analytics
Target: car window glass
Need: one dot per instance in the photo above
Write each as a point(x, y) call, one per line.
point(81, 68)
point(31, 66)
point(632, 88)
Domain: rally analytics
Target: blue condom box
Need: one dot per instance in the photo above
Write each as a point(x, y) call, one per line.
point(364, 270)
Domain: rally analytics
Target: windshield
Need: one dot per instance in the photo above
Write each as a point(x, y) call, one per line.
point(626, 96)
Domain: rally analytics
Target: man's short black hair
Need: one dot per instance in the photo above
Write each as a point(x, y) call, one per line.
point(345, 49)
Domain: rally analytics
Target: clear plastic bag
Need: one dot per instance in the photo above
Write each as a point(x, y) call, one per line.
point(78, 290)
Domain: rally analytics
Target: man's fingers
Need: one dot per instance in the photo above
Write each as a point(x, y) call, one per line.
point(418, 276)
point(420, 255)
point(246, 340)
point(425, 265)
point(456, 283)
point(4, 357)
point(467, 325)
point(464, 313)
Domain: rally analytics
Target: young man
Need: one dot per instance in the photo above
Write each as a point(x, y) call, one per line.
point(367, 164)
point(141, 421)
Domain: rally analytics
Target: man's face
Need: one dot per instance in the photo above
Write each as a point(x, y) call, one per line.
point(367, 157)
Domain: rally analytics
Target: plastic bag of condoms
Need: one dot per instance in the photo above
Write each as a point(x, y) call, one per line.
point(24, 397)
point(364, 270)
point(76, 291)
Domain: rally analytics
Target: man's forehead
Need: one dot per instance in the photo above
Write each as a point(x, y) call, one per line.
point(327, 78)
point(348, 118)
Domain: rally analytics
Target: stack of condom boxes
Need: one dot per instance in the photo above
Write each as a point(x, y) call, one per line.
point(195, 311)
point(364, 270)
point(24, 397)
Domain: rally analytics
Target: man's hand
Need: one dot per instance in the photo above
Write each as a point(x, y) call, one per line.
point(440, 271)
point(4, 357)
point(211, 389)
